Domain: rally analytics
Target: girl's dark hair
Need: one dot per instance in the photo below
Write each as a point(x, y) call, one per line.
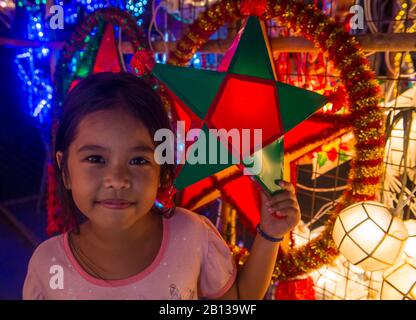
point(105, 91)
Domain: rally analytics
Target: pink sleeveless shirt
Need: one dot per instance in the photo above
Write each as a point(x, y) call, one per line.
point(193, 262)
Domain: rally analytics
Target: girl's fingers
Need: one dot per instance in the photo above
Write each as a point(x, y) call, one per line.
point(293, 219)
point(281, 210)
point(281, 205)
point(265, 198)
point(278, 197)
point(287, 186)
point(288, 212)
point(285, 195)
point(290, 216)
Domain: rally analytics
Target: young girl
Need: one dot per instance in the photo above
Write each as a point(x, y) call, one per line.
point(126, 248)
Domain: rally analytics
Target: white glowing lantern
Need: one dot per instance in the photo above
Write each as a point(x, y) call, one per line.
point(340, 281)
point(329, 284)
point(394, 157)
point(369, 236)
point(399, 281)
point(410, 247)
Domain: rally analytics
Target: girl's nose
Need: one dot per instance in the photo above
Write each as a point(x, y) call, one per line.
point(117, 177)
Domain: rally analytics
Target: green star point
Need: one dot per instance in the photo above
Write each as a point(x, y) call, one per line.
point(191, 173)
point(250, 50)
point(297, 104)
point(271, 166)
point(195, 87)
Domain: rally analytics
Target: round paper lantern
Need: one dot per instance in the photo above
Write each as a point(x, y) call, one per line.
point(329, 284)
point(394, 149)
point(399, 281)
point(369, 236)
point(410, 246)
point(340, 281)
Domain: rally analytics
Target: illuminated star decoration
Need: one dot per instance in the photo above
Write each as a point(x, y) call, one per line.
point(245, 96)
point(102, 56)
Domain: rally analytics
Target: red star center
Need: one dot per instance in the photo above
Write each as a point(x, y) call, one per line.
point(233, 109)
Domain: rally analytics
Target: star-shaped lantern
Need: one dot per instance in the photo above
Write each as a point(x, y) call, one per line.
point(104, 56)
point(245, 96)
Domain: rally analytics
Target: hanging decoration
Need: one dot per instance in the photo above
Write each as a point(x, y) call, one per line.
point(83, 61)
point(340, 281)
point(362, 91)
point(81, 37)
point(369, 236)
point(238, 189)
point(108, 57)
point(225, 100)
point(142, 62)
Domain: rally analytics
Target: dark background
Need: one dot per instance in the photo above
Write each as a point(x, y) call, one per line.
point(23, 221)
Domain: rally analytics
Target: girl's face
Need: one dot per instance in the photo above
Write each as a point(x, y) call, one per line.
point(112, 172)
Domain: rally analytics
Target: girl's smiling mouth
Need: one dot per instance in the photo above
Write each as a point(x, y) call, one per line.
point(115, 203)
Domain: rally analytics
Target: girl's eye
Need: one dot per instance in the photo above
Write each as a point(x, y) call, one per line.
point(138, 161)
point(95, 159)
point(100, 160)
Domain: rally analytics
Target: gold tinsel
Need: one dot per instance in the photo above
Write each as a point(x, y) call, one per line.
point(369, 134)
point(330, 42)
point(368, 171)
point(195, 38)
point(370, 101)
point(348, 60)
point(359, 86)
point(364, 189)
point(358, 71)
point(368, 121)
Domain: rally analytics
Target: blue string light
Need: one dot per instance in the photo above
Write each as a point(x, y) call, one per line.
point(32, 66)
point(35, 83)
point(32, 63)
point(137, 9)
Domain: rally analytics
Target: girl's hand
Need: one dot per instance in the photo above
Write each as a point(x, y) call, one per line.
point(279, 213)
